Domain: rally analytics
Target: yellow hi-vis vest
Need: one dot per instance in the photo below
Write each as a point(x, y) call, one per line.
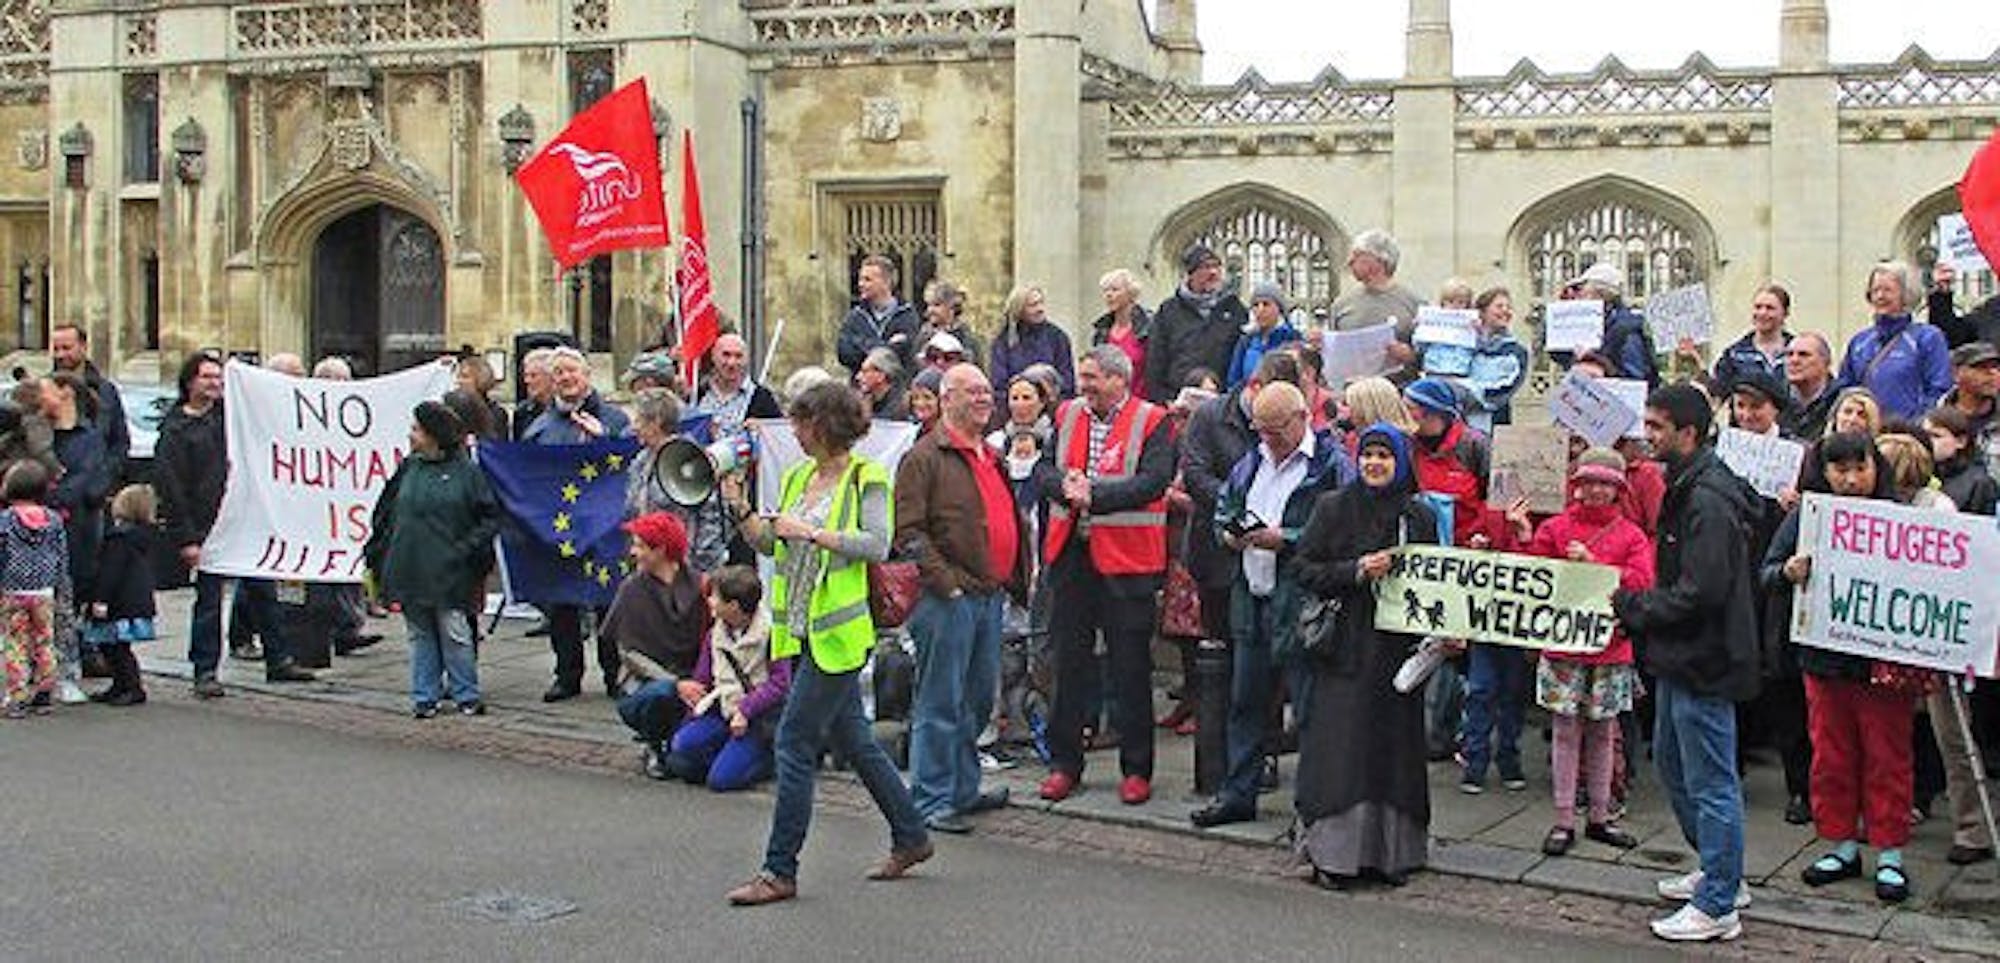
point(842, 632)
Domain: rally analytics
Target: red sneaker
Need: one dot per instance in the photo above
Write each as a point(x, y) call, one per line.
point(1058, 786)
point(1134, 790)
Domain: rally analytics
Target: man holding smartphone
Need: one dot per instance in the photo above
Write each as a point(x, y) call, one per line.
point(1262, 508)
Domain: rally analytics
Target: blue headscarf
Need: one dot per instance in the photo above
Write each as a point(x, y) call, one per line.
point(1405, 479)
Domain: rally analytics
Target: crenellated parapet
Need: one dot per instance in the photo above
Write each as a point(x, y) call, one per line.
point(1326, 115)
point(807, 32)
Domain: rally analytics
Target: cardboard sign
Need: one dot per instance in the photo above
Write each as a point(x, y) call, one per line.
point(1680, 313)
point(1576, 326)
point(1591, 408)
point(1454, 326)
point(1956, 244)
point(1348, 355)
point(1899, 584)
point(1521, 600)
point(1532, 462)
point(307, 459)
point(1769, 463)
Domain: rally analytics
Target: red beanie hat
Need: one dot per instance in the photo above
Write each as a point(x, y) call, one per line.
point(662, 532)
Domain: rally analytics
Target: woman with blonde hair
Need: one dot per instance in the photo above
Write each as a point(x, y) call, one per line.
point(1375, 399)
point(1124, 323)
point(1028, 336)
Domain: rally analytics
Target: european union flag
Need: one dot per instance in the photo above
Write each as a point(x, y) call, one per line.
point(563, 505)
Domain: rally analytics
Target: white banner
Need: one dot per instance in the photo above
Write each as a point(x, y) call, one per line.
point(1348, 355)
point(1573, 325)
point(307, 458)
point(1680, 313)
point(1769, 463)
point(778, 450)
point(1899, 584)
point(1454, 326)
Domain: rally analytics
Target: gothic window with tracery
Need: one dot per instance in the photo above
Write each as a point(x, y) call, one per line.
point(906, 227)
point(1972, 286)
point(1651, 249)
point(1260, 240)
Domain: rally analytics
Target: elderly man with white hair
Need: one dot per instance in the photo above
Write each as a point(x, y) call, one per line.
point(333, 367)
point(537, 384)
point(1906, 364)
point(1372, 260)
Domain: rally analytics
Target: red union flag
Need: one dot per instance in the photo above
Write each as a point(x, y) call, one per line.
point(697, 287)
point(596, 187)
point(1979, 198)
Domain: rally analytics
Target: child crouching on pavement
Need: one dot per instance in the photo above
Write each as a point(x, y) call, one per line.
point(1586, 693)
point(121, 608)
point(34, 563)
point(657, 621)
point(736, 692)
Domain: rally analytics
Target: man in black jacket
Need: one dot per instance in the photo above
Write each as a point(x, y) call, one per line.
point(69, 350)
point(1195, 328)
point(191, 464)
point(1982, 323)
point(878, 319)
point(1698, 629)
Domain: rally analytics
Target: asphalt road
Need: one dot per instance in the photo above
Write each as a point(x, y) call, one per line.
point(172, 833)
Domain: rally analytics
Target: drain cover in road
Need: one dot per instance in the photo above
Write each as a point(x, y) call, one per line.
point(500, 906)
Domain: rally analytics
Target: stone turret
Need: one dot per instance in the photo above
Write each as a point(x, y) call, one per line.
point(1427, 43)
point(1802, 31)
point(1177, 34)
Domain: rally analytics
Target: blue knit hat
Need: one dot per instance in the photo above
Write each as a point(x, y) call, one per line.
point(1433, 395)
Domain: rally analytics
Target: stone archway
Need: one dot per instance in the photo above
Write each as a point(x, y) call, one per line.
point(1262, 234)
point(377, 290)
point(1658, 240)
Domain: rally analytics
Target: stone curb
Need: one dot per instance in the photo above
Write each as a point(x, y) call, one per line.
point(1172, 843)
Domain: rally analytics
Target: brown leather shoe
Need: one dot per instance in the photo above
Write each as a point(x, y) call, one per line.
point(763, 889)
point(900, 862)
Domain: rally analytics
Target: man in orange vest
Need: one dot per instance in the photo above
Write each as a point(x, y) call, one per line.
point(1105, 479)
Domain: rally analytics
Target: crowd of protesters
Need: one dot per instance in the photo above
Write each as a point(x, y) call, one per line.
point(1190, 473)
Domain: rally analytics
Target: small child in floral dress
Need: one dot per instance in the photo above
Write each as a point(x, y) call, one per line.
point(34, 564)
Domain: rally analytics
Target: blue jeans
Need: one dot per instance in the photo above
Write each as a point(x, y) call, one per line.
point(703, 751)
point(1496, 691)
point(1694, 743)
point(205, 625)
point(441, 646)
point(958, 677)
point(1253, 680)
point(824, 711)
point(653, 710)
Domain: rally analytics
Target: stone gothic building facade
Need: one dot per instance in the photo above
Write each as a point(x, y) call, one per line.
point(332, 176)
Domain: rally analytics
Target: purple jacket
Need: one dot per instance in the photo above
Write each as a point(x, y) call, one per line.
point(1914, 374)
point(768, 695)
point(1043, 343)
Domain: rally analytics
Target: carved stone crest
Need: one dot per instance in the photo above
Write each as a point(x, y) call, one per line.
point(31, 149)
point(881, 119)
point(352, 147)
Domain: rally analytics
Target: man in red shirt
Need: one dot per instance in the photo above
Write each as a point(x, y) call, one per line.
point(955, 518)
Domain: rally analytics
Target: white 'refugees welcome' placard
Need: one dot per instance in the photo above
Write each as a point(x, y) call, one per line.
point(307, 459)
point(1899, 584)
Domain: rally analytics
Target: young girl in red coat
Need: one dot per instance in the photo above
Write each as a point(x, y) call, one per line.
point(1586, 693)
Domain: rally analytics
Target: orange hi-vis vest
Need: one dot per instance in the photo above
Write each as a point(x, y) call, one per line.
point(1130, 542)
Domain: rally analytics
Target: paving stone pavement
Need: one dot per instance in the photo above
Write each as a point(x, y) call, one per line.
point(1494, 836)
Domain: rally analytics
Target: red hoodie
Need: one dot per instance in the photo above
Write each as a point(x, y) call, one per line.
point(1457, 467)
point(1612, 540)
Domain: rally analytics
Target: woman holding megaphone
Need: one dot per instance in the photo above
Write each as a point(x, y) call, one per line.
point(656, 422)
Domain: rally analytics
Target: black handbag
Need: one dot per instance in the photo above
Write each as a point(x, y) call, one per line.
point(1319, 626)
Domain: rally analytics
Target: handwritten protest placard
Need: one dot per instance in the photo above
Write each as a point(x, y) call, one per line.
point(1955, 244)
point(1454, 326)
point(1532, 462)
point(1573, 325)
point(1680, 313)
point(1348, 355)
point(307, 459)
point(1899, 584)
point(1521, 600)
point(1591, 408)
point(1632, 393)
point(1769, 463)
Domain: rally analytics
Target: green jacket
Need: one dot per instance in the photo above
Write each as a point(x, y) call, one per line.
point(433, 532)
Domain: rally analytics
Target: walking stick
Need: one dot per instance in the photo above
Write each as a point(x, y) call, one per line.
point(1972, 749)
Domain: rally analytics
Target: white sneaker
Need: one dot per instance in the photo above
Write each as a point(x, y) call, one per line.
point(1690, 925)
point(1680, 889)
point(1430, 654)
point(70, 694)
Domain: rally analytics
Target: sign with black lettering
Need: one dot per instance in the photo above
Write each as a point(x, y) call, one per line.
point(1499, 597)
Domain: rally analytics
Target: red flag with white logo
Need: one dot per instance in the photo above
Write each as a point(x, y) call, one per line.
point(596, 187)
point(702, 325)
point(1979, 199)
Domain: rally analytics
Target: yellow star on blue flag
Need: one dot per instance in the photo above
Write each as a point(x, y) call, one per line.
point(561, 522)
point(570, 492)
point(588, 472)
point(567, 549)
point(564, 505)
